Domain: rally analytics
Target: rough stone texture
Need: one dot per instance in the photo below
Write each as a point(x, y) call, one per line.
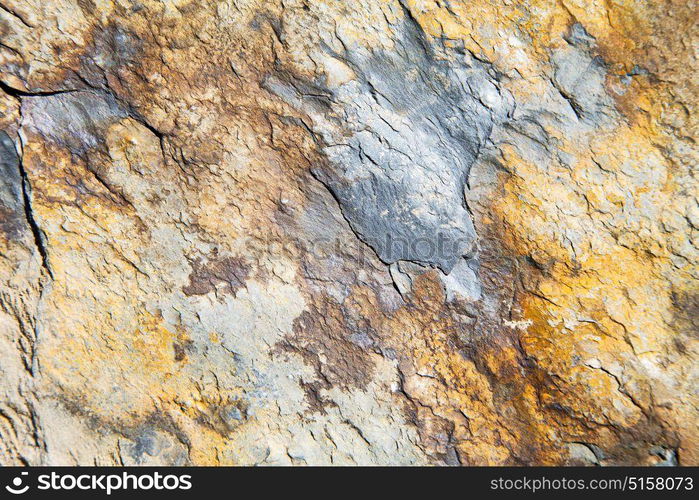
point(376, 232)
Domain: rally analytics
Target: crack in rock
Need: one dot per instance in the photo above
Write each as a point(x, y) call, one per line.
point(400, 139)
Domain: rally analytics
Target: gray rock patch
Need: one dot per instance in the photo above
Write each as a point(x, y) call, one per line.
point(400, 140)
point(462, 283)
point(76, 120)
point(12, 218)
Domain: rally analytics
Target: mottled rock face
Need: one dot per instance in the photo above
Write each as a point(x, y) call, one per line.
point(11, 192)
point(400, 137)
point(74, 120)
point(245, 232)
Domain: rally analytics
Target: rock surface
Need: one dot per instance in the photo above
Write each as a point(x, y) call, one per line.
point(377, 232)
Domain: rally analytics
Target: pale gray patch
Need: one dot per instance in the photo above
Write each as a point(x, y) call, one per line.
point(582, 452)
point(151, 446)
point(462, 283)
point(580, 79)
point(401, 280)
point(579, 36)
point(76, 120)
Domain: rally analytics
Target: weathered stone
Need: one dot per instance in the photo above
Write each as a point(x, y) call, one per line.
point(13, 221)
point(378, 232)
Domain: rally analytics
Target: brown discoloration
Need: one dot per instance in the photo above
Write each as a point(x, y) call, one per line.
point(323, 337)
point(12, 224)
point(489, 371)
point(686, 313)
point(181, 349)
point(230, 272)
point(316, 402)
